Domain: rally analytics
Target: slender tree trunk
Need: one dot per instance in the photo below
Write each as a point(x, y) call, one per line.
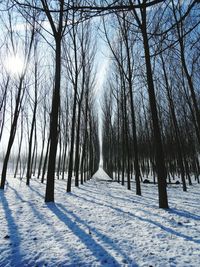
point(12, 132)
point(59, 158)
point(159, 154)
point(20, 146)
point(135, 142)
point(70, 168)
point(77, 156)
point(49, 195)
point(45, 161)
point(84, 140)
point(41, 159)
point(35, 150)
point(28, 174)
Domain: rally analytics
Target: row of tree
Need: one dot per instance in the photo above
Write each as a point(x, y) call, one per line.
point(49, 104)
point(151, 105)
point(151, 116)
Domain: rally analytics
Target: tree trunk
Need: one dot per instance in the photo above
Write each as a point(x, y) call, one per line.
point(12, 132)
point(49, 195)
point(159, 155)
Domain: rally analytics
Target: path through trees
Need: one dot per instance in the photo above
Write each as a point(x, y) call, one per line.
point(149, 110)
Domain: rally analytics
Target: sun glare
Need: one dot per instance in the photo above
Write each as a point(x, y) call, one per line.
point(14, 64)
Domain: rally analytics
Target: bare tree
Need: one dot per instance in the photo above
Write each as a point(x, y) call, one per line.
point(18, 100)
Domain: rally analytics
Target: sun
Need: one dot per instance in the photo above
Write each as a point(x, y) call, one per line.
point(14, 64)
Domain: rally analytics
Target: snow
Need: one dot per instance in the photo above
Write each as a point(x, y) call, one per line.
point(100, 223)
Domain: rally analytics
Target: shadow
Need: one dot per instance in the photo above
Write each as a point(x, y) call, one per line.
point(46, 222)
point(98, 250)
point(147, 212)
point(75, 223)
point(157, 224)
point(131, 200)
point(185, 214)
point(103, 237)
point(35, 191)
point(145, 195)
point(144, 199)
point(13, 236)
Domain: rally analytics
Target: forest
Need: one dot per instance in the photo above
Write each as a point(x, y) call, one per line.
point(100, 94)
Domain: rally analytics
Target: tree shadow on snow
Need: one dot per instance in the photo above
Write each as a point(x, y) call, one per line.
point(13, 237)
point(146, 219)
point(145, 201)
point(185, 214)
point(45, 220)
point(100, 253)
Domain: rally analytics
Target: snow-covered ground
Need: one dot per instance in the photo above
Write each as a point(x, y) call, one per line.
point(99, 224)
